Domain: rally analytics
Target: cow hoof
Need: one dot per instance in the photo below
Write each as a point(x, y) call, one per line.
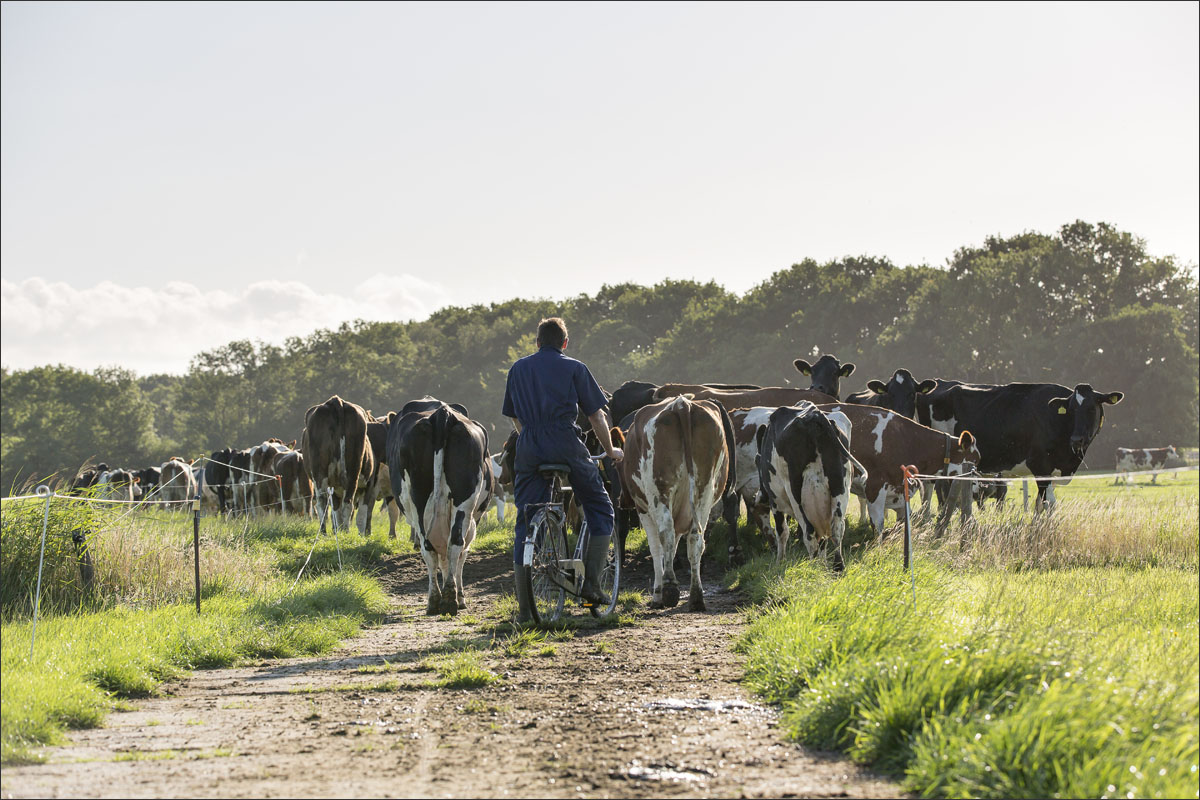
point(696, 602)
point(462, 604)
point(655, 603)
point(670, 595)
point(433, 607)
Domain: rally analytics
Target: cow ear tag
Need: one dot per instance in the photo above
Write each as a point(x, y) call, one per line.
point(1062, 409)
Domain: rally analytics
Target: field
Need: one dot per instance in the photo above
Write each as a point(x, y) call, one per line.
point(1025, 657)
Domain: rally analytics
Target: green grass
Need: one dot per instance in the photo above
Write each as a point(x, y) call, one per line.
point(1068, 682)
point(137, 625)
point(462, 669)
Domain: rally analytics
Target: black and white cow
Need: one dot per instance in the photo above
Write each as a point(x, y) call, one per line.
point(805, 470)
point(1038, 429)
point(178, 484)
point(899, 394)
point(442, 477)
point(826, 374)
point(1134, 459)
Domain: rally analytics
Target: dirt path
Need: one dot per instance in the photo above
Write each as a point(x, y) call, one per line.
point(646, 710)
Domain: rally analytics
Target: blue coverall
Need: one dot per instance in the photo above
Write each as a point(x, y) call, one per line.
point(545, 392)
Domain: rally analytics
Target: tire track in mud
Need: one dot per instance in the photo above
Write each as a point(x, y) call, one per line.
point(647, 710)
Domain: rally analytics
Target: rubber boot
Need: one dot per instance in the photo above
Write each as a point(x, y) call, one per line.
point(593, 563)
point(524, 601)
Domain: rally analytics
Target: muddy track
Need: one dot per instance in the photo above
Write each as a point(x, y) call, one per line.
point(646, 710)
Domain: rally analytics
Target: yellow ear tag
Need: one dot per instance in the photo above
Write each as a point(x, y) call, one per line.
point(1062, 409)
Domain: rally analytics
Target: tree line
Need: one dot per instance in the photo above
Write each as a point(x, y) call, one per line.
point(1086, 304)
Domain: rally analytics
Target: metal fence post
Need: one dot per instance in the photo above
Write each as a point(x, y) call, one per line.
point(196, 541)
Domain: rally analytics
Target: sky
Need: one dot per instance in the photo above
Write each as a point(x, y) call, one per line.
point(176, 176)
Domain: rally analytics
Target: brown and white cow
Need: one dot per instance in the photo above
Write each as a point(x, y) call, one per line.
point(772, 396)
point(262, 492)
point(178, 485)
point(1130, 460)
point(805, 470)
point(338, 456)
point(884, 442)
point(678, 464)
point(442, 476)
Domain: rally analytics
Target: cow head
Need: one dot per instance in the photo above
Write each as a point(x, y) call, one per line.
point(1084, 412)
point(826, 374)
point(963, 455)
point(900, 393)
point(1173, 458)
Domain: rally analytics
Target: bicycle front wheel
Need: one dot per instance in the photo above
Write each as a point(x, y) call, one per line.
point(610, 578)
point(544, 577)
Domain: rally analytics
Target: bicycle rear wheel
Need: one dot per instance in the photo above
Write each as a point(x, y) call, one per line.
point(543, 575)
point(610, 578)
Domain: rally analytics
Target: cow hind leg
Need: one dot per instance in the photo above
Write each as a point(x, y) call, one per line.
point(695, 552)
point(654, 541)
point(781, 536)
point(433, 604)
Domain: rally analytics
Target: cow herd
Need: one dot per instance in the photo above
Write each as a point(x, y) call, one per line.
point(693, 453)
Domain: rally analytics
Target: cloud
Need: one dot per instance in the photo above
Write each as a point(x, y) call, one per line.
point(160, 329)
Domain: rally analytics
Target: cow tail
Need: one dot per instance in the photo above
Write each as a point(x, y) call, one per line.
point(439, 421)
point(684, 407)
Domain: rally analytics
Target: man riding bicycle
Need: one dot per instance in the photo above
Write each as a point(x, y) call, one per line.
point(543, 396)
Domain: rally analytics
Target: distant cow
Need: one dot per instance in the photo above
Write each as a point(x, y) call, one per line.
point(148, 480)
point(1038, 429)
point(178, 484)
point(826, 375)
point(772, 396)
point(883, 442)
point(262, 493)
point(899, 394)
point(241, 479)
point(804, 471)
point(217, 477)
point(1130, 460)
point(339, 459)
point(441, 475)
point(115, 484)
point(294, 482)
point(678, 464)
point(87, 479)
point(380, 487)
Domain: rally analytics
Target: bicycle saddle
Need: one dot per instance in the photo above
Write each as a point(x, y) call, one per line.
point(549, 468)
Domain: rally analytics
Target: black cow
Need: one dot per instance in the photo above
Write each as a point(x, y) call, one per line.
point(87, 479)
point(826, 374)
point(1039, 429)
point(240, 479)
point(442, 476)
point(899, 394)
point(149, 479)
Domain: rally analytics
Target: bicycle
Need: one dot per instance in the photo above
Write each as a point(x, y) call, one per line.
point(552, 570)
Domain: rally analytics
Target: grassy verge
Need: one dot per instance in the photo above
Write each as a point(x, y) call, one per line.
point(1052, 660)
point(136, 625)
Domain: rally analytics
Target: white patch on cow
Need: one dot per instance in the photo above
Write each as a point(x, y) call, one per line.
point(880, 427)
point(1079, 398)
point(1020, 470)
point(899, 378)
point(943, 425)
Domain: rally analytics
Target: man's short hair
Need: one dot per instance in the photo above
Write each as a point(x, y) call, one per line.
point(552, 332)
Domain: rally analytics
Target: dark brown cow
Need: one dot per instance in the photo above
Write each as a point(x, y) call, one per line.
point(884, 441)
point(380, 487)
point(338, 456)
point(294, 482)
point(678, 464)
